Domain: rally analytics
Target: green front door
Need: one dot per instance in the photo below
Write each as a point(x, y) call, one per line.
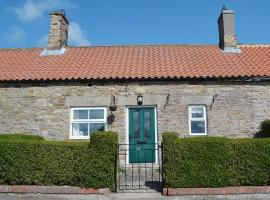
point(141, 135)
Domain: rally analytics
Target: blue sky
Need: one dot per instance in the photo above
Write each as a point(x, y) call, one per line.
point(25, 23)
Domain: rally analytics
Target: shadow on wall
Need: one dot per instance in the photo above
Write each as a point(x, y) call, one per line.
point(110, 119)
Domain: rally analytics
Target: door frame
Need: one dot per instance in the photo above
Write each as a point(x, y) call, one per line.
point(156, 132)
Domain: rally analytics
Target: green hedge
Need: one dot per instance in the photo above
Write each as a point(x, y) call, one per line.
point(38, 162)
point(215, 161)
point(265, 128)
point(12, 137)
point(99, 171)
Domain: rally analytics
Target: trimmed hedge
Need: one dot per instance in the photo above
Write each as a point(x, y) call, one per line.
point(38, 162)
point(12, 137)
point(99, 171)
point(265, 128)
point(215, 161)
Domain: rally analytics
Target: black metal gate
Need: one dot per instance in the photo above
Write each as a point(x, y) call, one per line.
point(139, 177)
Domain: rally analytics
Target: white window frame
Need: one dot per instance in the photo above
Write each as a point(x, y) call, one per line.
point(72, 120)
point(190, 119)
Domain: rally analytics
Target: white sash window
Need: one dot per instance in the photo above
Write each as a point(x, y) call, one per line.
point(197, 120)
point(86, 120)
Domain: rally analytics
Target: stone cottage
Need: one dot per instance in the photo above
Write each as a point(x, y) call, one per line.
point(139, 91)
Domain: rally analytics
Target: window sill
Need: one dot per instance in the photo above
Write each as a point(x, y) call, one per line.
point(198, 134)
point(79, 137)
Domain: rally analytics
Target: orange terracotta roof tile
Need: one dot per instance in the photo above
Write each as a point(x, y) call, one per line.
point(135, 62)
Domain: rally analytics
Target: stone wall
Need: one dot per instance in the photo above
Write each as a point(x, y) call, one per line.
point(44, 110)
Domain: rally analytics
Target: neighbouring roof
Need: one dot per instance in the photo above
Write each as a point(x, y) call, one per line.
point(135, 62)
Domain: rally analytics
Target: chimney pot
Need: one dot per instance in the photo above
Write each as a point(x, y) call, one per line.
point(58, 33)
point(227, 37)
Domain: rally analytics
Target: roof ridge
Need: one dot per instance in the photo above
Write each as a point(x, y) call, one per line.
point(96, 46)
point(21, 49)
point(141, 45)
point(134, 45)
point(254, 45)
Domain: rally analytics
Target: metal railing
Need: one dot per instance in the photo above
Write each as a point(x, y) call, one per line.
point(138, 167)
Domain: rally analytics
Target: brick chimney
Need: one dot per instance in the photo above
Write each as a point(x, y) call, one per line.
point(227, 37)
point(58, 33)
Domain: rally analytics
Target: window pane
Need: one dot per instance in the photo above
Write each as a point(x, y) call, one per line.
point(80, 114)
point(94, 127)
point(197, 112)
point(146, 124)
point(97, 114)
point(80, 129)
point(197, 127)
point(136, 124)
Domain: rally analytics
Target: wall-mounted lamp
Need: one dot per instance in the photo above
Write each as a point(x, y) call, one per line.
point(140, 100)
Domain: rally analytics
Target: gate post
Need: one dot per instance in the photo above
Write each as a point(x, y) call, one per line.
point(115, 167)
point(162, 165)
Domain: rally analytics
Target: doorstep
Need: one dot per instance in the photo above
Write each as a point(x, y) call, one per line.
point(217, 191)
point(51, 189)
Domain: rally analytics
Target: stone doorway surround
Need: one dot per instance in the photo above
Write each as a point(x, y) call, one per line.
point(127, 129)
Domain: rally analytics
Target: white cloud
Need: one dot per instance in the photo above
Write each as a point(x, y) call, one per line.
point(43, 41)
point(76, 36)
point(17, 34)
point(34, 9)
